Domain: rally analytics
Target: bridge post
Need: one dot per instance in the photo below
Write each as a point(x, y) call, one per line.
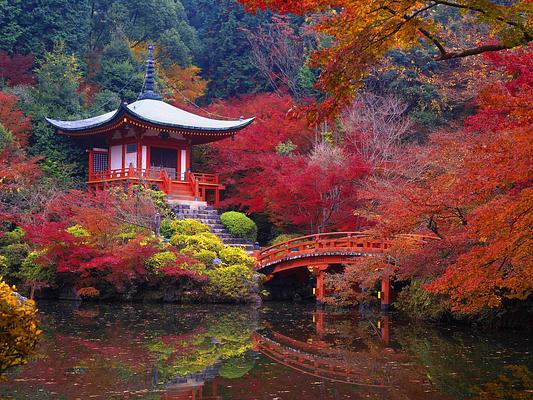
point(320, 291)
point(385, 293)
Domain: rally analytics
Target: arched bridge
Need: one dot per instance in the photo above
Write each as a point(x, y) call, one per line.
point(320, 251)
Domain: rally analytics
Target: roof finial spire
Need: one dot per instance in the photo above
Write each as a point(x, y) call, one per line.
point(148, 91)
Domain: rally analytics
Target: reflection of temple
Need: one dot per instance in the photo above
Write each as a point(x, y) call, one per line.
point(193, 386)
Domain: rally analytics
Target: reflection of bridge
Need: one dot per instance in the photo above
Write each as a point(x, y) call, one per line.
point(316, 357)
point(319, 252)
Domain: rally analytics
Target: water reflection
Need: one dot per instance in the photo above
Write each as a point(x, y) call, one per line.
point(281, 351)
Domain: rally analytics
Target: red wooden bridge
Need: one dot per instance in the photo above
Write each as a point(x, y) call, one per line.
point(319, 252)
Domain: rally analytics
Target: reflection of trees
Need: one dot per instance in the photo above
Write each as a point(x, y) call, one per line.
point(460, 364)
point(514, 383)
point(225, 340)
point(117, 349)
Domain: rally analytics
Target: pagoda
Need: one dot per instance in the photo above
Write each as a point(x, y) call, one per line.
point(149, 142)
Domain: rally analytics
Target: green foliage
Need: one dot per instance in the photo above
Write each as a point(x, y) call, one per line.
point(33, 275)
point(18, 324)
point(235, 255)
point(415, 301)
point(187, 226)
point(57, 96)
point(14, 255)
point(194, 243)
point(235, 283)
point(225, 55)
point(34, 26)
point(205, 256)
point(161, 260)
point(286, 148)
point(119, 72)
point(6, 138)
point(78, 231)
point(240, 225)
point(283, 238)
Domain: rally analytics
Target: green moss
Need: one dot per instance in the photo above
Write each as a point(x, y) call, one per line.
point(239, 225)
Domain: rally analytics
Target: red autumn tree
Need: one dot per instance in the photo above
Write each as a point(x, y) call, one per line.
point(16, 69)
point(17, 171)
point(275, 168)
point(472, 188)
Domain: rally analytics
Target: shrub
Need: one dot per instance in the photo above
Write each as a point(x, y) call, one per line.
point(161, 260)
point(206, 256)
point(33, 275)
point(18, 324)
point(283, 238)
point(236, 283)
point(239, 225)
point(235, 255)
point(195, 243)
point(418, 303)
point(171, 227)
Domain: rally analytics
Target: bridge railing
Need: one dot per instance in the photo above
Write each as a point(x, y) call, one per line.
point(327, 242)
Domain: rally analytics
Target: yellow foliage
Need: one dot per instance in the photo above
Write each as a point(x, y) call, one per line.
point(18, 328)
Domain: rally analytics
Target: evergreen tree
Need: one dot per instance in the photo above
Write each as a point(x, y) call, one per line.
point(57, 96)
point(225, 57)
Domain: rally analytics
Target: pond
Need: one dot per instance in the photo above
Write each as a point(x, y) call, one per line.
point(279, 351)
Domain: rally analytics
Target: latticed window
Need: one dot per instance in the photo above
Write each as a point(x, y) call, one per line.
point(100, 162)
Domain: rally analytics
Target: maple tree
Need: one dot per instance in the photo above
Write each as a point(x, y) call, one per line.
point(470, 187)
point(16, 69)
point(364, 31)
point(278, 166)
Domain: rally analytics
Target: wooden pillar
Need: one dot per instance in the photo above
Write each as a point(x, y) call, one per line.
point(139, 157)
point(91, 166)
point(385, 293)
point(320, 291)
point(217, 197)
point(319, 318)
point(385, 329)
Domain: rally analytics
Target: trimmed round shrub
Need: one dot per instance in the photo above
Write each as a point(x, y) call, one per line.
point(239, 225)
point(18, 324)
point(187, 226)
point(235, 255)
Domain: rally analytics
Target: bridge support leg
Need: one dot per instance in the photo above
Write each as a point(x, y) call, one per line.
point(385, 293)
point(319, 318)
point(320, 291)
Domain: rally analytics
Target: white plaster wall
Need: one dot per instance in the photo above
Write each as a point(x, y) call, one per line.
point(144, 151)
point(183, 164)
point(116, 157)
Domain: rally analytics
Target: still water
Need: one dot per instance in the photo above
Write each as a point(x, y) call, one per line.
point(280, 351)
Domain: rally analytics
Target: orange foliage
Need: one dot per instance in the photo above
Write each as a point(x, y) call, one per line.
point(472, 187)
point(364, 31)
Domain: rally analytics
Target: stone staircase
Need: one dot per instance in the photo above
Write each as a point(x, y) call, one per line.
point(209, 216)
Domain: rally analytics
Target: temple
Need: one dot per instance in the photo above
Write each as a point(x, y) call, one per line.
point(149, 142)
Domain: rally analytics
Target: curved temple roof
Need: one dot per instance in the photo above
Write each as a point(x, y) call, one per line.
point(155, 112)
